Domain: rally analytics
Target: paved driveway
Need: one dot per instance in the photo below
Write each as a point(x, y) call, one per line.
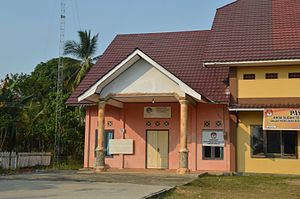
point(70, 184)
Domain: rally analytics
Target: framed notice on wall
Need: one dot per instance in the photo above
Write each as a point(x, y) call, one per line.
point(281, 119)
point(121, 146)
point(157, 112)
point(213, 138)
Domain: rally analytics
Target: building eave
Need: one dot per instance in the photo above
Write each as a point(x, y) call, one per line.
point(254, 63)
point(246, 109)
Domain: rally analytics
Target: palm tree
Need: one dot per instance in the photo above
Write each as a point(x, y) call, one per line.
point(83, 50)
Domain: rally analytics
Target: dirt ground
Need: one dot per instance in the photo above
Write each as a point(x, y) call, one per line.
point(71, 184)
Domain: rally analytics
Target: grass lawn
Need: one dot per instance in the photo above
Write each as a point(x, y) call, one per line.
point(239, 187)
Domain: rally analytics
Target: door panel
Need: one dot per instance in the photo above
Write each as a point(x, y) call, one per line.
point(163, 152)
point(157, 149)
point(151, 149)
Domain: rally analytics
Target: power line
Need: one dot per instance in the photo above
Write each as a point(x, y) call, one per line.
point(77, 14)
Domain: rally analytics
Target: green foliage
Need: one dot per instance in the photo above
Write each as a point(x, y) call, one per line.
point(69, 165)
point(27, 111)
point(7, 171)
point(28, 104)
point(83, 50)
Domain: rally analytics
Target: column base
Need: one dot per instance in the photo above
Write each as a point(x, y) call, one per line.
point(100, 161)
point(100, 169)
point(182, 171)
point(183, 161)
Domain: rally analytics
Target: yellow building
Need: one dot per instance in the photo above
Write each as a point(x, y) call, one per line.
point(265, 151)
point(274, 86)
point(261, 47)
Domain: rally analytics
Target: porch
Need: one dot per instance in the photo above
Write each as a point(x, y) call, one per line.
point(128, 123)
point(158, 142)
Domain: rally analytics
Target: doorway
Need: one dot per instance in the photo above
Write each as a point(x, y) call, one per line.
point(157, 149)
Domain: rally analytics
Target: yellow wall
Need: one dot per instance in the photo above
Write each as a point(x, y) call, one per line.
point(259, 165)
point(264, 88)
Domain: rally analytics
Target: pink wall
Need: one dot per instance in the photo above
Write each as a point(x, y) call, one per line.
point(111, 114)
point(131, 118)
point(212, 113)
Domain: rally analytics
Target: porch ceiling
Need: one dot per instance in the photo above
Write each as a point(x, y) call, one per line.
point(146, 99)
point(118, 101)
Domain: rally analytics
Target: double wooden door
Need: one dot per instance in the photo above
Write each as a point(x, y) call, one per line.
point(157, 149)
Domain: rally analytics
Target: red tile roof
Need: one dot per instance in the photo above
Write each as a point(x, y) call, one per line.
point(249, 106)
point(252, 30)
point(246, 30)
point(178, 52)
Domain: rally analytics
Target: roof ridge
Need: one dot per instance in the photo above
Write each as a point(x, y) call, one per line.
point(228, 4)
point(169, 32)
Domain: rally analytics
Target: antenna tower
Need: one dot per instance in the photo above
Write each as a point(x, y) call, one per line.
point(59, 85)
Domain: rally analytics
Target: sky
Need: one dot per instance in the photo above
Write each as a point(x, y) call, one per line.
point(29, 29)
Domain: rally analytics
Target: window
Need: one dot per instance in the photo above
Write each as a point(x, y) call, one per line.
point(294, 75)
point(257, 140)
point(281, 144)
point(289, 140)
point(273, 142)
point(108, 134)
point(249, 76)
point(271, 75)
point(212, 153)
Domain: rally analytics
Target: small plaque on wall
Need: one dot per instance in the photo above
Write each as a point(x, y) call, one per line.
point(157, 112)
point(121, 146)
point(213, 138)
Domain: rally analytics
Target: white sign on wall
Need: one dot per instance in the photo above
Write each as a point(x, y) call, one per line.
point(157, 112)
point(213, 138)
point(121, 146)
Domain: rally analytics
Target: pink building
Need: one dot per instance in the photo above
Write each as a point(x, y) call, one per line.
point(150, 103)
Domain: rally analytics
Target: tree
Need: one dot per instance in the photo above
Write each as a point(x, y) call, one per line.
point(27, 112)
point(5, 118)
point(27, 103)
point(83, 50)
point(42, 83)
point(11, 104)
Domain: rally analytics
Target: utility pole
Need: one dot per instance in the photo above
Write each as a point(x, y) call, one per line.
point(59, 86)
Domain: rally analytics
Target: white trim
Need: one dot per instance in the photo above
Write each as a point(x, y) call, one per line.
point(92, 89)
point(126, 63)
point(249, 63)
point(115, 103)
point(246, 109)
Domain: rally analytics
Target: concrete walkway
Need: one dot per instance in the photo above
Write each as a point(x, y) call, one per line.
point(71, 184)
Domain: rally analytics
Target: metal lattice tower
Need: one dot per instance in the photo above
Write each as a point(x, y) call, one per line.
point(59, 85)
